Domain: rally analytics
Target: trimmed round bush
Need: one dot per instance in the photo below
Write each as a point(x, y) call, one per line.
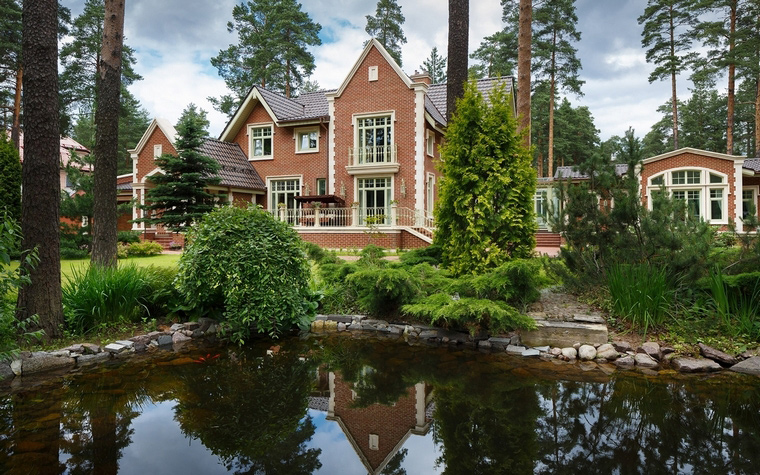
point(252, 267)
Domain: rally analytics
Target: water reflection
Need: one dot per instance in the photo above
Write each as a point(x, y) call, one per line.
point(335, 405)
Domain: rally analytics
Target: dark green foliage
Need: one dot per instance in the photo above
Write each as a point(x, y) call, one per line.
point(144, 249)
point(10, 179)
point(75, 241)
point(179, 197)
point(251, 266)
point(640, 294)
point(273, 37)
point(382, 291)
point(737, 302)
point(497, 54)
point(435, 65)
point(372, 255)
point(127, 237)
point(77, 205)
point(319, 255)
point(101, 296)
point(385, 26)
point(431, 255)
point(485, 209)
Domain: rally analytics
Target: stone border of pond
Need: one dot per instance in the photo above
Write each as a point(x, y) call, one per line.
point(648, 357)
point(85, 354)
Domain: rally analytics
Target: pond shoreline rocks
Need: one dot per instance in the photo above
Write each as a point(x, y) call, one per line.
point(29, 363)
point(650, 356)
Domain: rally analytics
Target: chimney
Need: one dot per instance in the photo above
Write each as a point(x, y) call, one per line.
point(421, 77)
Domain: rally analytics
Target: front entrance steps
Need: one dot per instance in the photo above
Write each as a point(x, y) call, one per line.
point(564, 334)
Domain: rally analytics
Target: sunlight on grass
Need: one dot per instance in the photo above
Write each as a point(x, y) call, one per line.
point(68, 266)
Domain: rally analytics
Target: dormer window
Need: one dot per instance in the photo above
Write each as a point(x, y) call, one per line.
point(261, 142)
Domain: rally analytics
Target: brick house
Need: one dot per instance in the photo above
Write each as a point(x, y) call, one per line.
point(718, 188)
point(345, 167)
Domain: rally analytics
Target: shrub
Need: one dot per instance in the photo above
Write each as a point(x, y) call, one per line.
point(319, 255)
point(726, 239)
point(75, 241)
point(103, 296)
point(640, 293)
point(382, 291)
point(472, 314)
point(144, 249)
point(128, 237)
point(372, 255)
point(737, 301)
point(251, 265)
point(427, 255)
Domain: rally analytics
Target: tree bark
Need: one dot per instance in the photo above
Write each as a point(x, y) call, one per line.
point(107, 137)
point(731, 98)
point(757, 117)
point(16, 128)
point(552, 87)
point(40, 176)
point(523, 68)
point(459, 26)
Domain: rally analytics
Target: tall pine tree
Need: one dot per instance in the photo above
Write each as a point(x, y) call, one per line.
point(554, 56)
point(272, 50)
point(435, 65)
point(456, 72)
point(667, 36)
point(385, 26)
point(179, 196)
point(497, 54)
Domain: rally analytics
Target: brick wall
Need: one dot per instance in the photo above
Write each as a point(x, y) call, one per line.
point(359, 240)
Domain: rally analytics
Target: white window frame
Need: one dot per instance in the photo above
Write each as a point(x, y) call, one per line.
point(372, 73)
point(430, 192)
point(755, 189)
point(323, 180)
point(430, 143)
point(704, 187)
point(375, 115)
point(157, 150)
point(300, 132)
point(275, 179)
point(251, 128)
point(391, 195)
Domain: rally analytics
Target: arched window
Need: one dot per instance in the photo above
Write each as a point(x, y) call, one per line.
point(704, 191)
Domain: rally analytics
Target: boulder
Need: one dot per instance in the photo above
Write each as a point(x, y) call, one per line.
point(695, 365)
point(91, 348)
point(622, 346)
point(748, 366)
point(515, 350)
point(570, 353)
point(191, 325)
point(588, 319)
point(607, 352)
point(555, 351)
point(625, 362)
point(482, 344)
point(587, 353)
point(16, 367)
point(643, 360)
point(115, 348)
point(164, 340)
point(500, 343)
point(179, 337)
point(717, 355)
point(652, 349)
point(85, 360)
point(531, 352)
point(42, 363)
point(5, 371)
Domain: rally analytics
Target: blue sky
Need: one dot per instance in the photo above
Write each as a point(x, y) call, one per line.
point(175, 40)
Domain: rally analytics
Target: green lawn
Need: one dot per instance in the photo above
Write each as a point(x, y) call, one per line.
point(163, 260)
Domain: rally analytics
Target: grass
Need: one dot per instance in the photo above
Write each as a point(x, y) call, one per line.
point(69, 267)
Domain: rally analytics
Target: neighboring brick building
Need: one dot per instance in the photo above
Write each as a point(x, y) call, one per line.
point(720, 189)
point(347, 166)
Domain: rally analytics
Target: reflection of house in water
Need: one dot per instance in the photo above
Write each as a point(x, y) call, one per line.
point(376, 432)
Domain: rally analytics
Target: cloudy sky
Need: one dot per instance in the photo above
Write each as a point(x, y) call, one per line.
point(175, 39)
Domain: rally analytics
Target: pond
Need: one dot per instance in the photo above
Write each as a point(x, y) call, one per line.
point(336, 405)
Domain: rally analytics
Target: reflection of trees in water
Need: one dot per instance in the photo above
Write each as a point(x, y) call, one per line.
point(394, 464)
point(251, 412)
point(636, 425)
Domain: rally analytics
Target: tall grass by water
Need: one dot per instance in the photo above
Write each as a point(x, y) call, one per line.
point(98, 296)
point(640, 294)
point(738, 309)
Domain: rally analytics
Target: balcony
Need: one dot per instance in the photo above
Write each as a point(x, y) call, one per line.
point(372, 160)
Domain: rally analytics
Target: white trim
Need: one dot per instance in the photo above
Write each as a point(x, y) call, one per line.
point(302, 130)
point(704, 186)
point(155, 171)
point(738, 187)
point(271, 178)
point(372, 74)
point(243, 112)
point(331, 146)
point(429, 195)
point(694, 151)
point(419, 149)
point(259, 125)
point(166, 128)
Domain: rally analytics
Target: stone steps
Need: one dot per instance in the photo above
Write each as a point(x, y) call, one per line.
point(564, 334)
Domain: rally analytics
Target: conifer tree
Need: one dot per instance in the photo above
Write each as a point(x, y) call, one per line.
point(179, 195)
point(496, 55)
point(668, 26)
point(554, 56)
point(385, 26)
point(10, 184)
point(272, 50)
point(485, 211)
point(435, 65)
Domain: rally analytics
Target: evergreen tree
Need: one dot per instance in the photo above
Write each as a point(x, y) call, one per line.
point(273, 37)
point(577, 137)
point(524, 41)
point(554, 56)
point(179, 195)
point(80, 59)
point(497, 54)
point(668, 25)
point(385, 26)
point(456, 72)
point(703, 119)
point(11, 69)
point(10, 180)
point(435, 65)
point(748, 67)
point(310, 86)
point(746, 123)
point(485, 210)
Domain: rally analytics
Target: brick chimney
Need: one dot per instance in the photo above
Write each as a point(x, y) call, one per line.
point(421, 77)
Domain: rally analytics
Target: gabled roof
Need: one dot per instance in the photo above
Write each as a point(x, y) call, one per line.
point(234, 169)
point(752, 164)
point(162, 124)
point(437, 94)
point(694, 151)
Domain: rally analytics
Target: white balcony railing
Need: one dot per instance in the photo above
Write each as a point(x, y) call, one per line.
point(356, 217)
point(378, 154)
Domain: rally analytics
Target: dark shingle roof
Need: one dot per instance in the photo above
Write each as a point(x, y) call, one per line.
point(437, 93)
point(124, 186)
point(571, 173)
point(314, 104)
point(235, 170)
point(752, 164)
point(311, 105)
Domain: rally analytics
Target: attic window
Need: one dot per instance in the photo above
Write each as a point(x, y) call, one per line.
point(372, 73)
point(157, 150)
point(374, 442)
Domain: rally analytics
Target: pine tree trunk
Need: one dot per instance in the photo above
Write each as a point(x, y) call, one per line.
point(523, 68)
point(107, 137)
point(552, 86)
point(459, 26)
point(16, 128)
point(40, 176)
point(673, 83)
point(757, 117)
point(731, 99)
